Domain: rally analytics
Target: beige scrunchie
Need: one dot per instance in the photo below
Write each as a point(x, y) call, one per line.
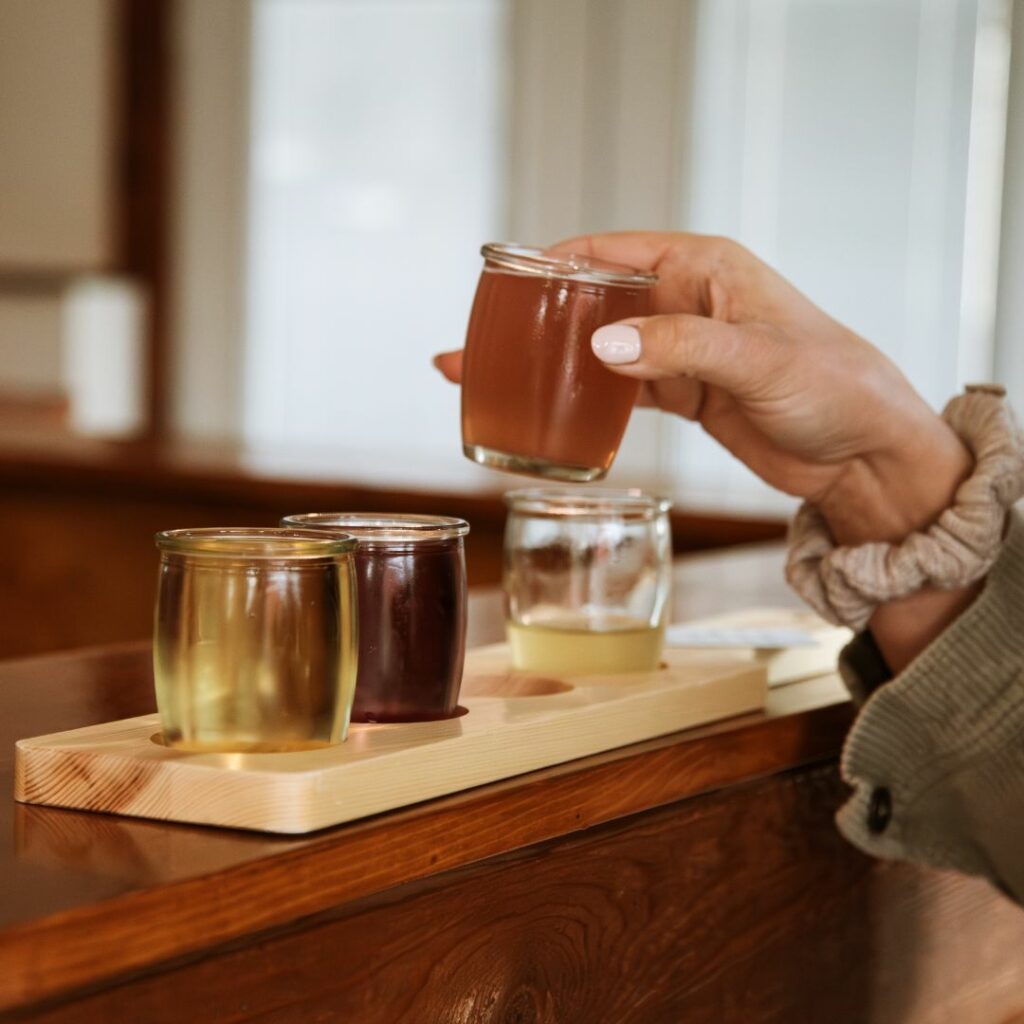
point(846, 584)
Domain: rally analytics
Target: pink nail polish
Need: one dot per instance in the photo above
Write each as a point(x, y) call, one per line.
point(616, 344)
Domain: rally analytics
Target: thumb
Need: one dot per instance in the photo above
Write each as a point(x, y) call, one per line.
point(740, 358)
point(450, 364)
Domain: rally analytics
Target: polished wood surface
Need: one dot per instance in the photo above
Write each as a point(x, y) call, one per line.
point(235, 474)
point(743, 906)
point(695, 877)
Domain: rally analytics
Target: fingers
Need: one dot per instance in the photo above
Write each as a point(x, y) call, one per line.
point(696, 255)
point(742, 359)
point(450, 364)
point(679, 399)
point(641, 249)
point(676, 355)
point(701, 274)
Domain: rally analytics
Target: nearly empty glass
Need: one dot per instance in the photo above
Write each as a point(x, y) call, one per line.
point(535, 398)
point(587, 580)
point(255, 639)
point(411, 572)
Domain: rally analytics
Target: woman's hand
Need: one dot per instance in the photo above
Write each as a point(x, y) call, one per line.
point(809, 406)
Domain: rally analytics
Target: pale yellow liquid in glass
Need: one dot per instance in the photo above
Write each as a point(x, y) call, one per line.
point(255, 660)
point(571, 649)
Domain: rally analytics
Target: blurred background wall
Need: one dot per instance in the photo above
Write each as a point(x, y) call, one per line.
point(233, 233)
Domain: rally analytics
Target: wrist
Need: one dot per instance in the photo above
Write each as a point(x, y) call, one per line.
point(967, 475)
point(887, 496)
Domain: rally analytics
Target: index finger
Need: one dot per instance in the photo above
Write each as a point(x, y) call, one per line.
point(643, 250)
point(687, 265)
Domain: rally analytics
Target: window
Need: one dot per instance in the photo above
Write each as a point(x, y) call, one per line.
point(855, 144)
point(377, 158)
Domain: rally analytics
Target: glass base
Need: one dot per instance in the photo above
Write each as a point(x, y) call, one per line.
point(284, 746)
point(397, 718)
point(531, 466)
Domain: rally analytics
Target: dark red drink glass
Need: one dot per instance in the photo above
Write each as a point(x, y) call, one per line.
point(535, 398)
point(411, 582)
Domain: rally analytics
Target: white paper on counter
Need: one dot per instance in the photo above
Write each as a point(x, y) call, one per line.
point(720, 636)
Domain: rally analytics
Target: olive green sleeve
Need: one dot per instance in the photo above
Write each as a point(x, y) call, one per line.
point(936, 756)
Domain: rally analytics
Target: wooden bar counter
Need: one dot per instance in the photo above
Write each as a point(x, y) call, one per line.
point(78, 517)
point(693, 878)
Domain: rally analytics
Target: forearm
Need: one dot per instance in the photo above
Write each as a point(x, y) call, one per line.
point(904, 628)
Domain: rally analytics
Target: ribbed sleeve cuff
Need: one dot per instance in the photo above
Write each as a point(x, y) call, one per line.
point(950, 722)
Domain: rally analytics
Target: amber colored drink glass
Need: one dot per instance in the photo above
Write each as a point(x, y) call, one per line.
point(411, 572)
point(255, 639)
point(535, 398)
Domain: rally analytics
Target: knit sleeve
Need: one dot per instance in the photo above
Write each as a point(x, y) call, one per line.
point(936, 756)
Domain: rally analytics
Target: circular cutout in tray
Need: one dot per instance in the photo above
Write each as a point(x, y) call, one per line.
point(510, 684)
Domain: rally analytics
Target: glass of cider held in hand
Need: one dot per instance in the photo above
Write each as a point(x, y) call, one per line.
point(535, 398)
point(256, 639)
point(587, 579)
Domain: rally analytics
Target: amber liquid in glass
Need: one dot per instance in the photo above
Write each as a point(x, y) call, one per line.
point(535, 398)
point(412, 631)
point(254, 661)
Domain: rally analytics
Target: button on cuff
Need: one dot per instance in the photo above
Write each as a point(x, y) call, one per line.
point(879, 810)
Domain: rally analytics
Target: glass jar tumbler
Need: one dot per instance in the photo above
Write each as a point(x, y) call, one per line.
point(411, 572)
point(255, 639)
point(535, 398)
point(587, 578)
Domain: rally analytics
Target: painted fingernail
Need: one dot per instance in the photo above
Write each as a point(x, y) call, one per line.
point(616, 344)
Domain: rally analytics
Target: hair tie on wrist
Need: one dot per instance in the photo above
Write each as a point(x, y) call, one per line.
point(846, 584)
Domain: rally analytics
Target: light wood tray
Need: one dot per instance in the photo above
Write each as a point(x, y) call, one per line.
point(515, 724)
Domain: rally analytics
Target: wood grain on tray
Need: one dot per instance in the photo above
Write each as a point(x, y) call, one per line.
point(515, 724)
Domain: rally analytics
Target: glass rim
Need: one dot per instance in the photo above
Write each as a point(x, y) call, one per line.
point(380, 528)
point(594, 503)
point(255, 544)
point(531, 259)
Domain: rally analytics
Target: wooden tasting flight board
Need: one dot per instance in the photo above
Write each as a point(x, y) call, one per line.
point(515, 723)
